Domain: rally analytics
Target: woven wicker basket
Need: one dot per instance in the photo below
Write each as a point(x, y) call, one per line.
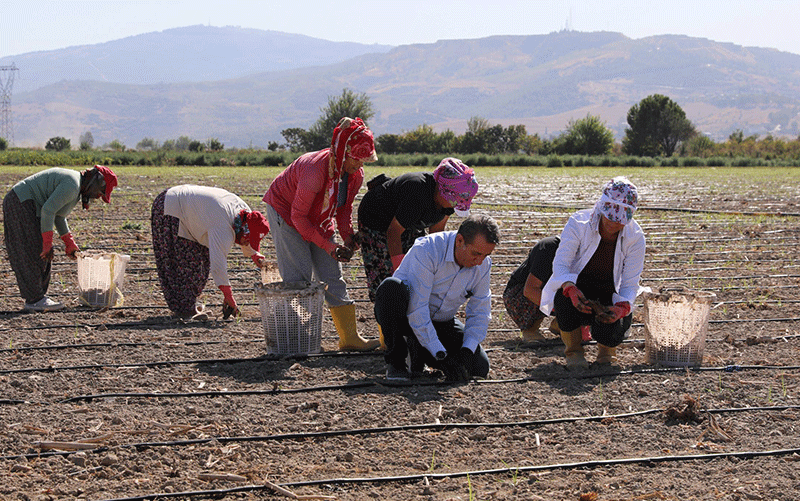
point(676, 324)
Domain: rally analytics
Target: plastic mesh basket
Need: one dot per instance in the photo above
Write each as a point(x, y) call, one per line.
point(101, 276)
point(676, 324)
point(291, 313)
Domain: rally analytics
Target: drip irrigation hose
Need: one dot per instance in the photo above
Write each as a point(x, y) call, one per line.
point(221, 323)
point(430, 382)
point(298, 357)
point(645, 208)
point(390, 429)
point(440, 476)
point(328, 354)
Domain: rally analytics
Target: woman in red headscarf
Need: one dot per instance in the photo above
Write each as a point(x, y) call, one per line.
point(194, 229)
point(36, 206)
point(306, 204)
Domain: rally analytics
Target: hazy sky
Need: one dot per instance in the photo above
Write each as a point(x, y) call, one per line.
point(35, 25)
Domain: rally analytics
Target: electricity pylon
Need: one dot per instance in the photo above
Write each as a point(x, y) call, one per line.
point(6, 83)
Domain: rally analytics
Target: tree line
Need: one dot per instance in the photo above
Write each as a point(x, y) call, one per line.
point(657, 128)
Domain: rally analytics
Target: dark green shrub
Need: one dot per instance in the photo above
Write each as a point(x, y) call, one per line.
point(554, 161)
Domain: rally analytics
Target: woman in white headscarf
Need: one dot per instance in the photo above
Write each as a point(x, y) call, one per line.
point(596, 273)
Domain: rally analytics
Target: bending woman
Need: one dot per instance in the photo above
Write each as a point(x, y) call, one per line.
point(194, 229)
point(306, 203)
point(36, 206)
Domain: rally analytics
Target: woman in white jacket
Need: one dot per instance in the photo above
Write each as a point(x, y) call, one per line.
point(596, 273)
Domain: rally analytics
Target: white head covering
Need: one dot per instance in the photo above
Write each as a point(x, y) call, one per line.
point(619, 200)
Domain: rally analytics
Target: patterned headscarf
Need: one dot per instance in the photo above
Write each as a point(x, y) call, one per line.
point(619, 200)
point(353, 138)
point(253, 225)
point(456, 184)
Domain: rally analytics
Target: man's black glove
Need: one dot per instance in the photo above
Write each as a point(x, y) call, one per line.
point(457, 366)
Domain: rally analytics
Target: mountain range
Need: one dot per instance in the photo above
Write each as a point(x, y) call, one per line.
point(243, 86)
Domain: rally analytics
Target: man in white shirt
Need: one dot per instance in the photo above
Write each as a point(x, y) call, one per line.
point(416, 307)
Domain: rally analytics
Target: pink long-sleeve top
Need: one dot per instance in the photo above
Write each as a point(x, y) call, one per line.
point(305, 196)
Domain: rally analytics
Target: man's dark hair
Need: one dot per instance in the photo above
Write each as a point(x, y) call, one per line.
point(479, 224)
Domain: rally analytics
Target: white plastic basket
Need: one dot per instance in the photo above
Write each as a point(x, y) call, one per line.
point(291, 313)
point(676, 324)
point(101, 276)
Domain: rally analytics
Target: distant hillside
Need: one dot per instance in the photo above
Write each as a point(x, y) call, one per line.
point(541, 81)
point(190, 54)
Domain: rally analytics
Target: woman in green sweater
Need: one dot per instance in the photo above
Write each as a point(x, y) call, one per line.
point(32, 209)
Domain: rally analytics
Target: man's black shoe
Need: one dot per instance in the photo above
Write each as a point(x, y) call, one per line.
point(397, 374)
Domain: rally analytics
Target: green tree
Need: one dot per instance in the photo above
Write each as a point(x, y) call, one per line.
point(349, 104)
point(698, 146)
point(116, 145)
point(214, 144)
point(196, 146)
point(297, 139)
point(3, 143)
point(148, 144)
point(420, 140)
point(86, 141)
point(183, 143)
point(514, 138)
point(587, 136)
point(657, 125)
point(475, 138)
point(388, 143)
point(57, 143)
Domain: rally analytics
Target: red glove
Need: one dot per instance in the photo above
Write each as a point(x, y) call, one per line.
point(258, 259)
point(614, 313)
point(70, 246)
point(229, 304)
point(47, 245)
point(396, 260)
point(579, 301)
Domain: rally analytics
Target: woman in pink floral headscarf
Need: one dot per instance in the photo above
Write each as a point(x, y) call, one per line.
point(596, 273)
point(306, 204)
point(394, 212)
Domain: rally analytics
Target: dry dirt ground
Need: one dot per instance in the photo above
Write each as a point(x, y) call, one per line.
point(130, 404)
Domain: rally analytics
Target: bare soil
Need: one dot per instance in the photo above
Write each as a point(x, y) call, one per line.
point(129, 403)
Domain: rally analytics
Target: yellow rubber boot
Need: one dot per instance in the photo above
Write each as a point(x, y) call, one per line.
point(574, 350)
point(554, 327)
point(606, 355)
point(383, 342)
point(532, 334)
point(344, 318)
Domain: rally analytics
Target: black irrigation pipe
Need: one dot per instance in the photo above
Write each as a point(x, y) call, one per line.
point(263, 358)
point(122, 345)
point(220, 323)
point(440, 476)
point(406, 384)
point(163, 363)
point(420, 477)
point(390, 429)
